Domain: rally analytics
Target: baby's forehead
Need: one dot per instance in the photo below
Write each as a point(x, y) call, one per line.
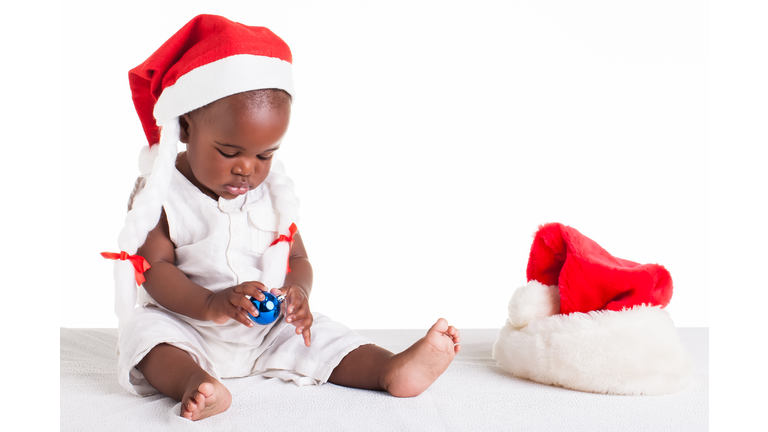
point(253, 100)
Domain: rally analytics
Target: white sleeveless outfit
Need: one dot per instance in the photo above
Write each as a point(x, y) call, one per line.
point(219, 245)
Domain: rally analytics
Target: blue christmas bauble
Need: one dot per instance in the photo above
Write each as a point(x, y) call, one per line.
point(269, 308)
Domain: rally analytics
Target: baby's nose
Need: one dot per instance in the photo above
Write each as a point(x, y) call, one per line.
point(243, 168)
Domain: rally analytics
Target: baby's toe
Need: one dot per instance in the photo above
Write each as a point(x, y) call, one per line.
point(187, 409)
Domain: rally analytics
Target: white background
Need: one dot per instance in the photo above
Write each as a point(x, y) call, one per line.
point(66, 100)
point(428, 142)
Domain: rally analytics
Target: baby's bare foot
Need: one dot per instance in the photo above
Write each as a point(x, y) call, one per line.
point(412, 371)
point(205, 400)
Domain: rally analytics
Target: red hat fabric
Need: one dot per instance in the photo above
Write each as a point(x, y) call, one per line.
point(589, 278)
point(210, 58)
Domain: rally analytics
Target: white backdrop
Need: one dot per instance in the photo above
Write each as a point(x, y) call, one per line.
point(428, 142)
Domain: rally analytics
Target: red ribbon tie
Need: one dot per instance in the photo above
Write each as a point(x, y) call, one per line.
point(140, 265)
point(289, 239)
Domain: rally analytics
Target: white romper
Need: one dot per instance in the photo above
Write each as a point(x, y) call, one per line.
point(219, 245)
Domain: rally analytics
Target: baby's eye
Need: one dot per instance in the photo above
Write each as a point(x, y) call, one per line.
point(267, 157)
point(226, 155)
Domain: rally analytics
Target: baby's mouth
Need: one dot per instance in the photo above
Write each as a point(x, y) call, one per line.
point(237, 190)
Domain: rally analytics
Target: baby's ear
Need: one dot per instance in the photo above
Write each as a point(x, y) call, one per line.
point(184, 128)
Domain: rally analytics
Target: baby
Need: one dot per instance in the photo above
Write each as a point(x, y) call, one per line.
point(214, 225)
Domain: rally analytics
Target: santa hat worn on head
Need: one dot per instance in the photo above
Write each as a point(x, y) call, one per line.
point(210, 58)
point(592, 322)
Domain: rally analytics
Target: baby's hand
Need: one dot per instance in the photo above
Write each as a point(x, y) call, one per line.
point(232, 303)
point(297, 310)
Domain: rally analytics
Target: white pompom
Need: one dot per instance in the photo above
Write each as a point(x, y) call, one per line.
point(147, 159)
point(533, 301)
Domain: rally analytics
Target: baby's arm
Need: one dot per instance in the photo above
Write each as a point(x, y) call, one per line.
point(297, 287)
point(170, 287)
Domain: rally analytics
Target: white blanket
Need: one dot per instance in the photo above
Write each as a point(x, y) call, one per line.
point(473, 394)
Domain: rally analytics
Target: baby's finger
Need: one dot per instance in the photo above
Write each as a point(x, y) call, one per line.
point(294, 307)
point(296, 323)
point(296, 302)
point(290, 313)
point(241, 303)
point(298, 314)
point(245, 304)
point(302, 323)
point(277, 292)
point(239, 315)
point(308, 321)
point(242, 317)
point(253, 289)
point(307, 337)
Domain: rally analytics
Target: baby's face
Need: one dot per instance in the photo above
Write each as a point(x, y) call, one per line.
point(230, 146)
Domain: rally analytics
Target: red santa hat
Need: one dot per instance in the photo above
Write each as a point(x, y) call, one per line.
point(210, 58)
point(589, 321)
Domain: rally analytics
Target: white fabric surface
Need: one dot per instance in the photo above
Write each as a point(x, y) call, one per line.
point(473, 394)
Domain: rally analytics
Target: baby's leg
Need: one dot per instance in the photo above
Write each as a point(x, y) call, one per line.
point(406, 374)
point(174, 373)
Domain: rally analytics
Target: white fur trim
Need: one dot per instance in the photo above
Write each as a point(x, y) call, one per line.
point(633, 352)
point(225, 77)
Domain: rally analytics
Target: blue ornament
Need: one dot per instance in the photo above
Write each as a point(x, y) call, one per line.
point(269, 308)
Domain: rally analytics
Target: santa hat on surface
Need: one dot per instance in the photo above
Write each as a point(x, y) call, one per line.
point(592, 322)
point(210, 58)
